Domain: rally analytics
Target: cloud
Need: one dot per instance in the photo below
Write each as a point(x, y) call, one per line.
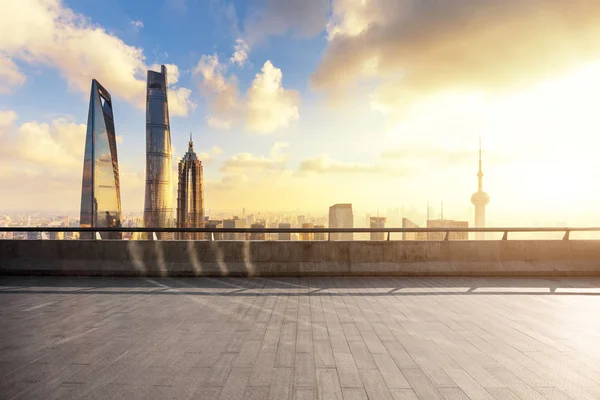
point(240, 54)
point(137, 25)
point(415, 47)
point(247, 162)
point(79, 49)
point(267, 106)
point(276, 17)
point(10, 76)
point(324, 164)
point(58, 144)
point(270, 106)
point(224, 104)
point(228, 182)
point(207, 156)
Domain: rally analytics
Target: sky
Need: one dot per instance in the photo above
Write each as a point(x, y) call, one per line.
point(298, 105)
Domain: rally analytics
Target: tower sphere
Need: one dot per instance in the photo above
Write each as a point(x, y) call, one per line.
point(480, 199)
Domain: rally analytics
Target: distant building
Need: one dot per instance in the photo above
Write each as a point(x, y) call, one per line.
point(100, 188)
point(34, 235)
point(480, 199)
point(284, 235)
point(407, 223)
point(190, 195)
point(56, 235)
point(377, 222)
point(341, 216)
point(320, 235)
point(234, 223)
point(257, 235)
point(445, 223)
point(307, 236)
point(214, 224)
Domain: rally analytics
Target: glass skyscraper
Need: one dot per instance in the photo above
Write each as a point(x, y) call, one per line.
point(158, 204)
point(190, 195)
point(100, 189)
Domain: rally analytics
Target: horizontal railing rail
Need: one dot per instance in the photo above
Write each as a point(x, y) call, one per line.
point(447, 231)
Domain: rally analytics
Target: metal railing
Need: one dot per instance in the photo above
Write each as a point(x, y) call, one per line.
point(329, 231)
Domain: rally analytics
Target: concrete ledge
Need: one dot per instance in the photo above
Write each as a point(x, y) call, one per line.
point(358, 258)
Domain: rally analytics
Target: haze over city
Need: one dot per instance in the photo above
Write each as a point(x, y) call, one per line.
point(301, 105)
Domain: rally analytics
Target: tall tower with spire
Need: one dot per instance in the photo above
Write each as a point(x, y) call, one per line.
point(190, 194)
point(480, 199)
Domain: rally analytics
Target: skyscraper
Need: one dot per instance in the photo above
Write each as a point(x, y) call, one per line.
point(100, 188)
point(190, 194)
point(307, 236)
point(480, 199)
point(341, 216)
point(158, 203)
point(377, 222)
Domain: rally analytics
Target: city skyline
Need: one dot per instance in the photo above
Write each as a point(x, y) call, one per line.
point(274, 122)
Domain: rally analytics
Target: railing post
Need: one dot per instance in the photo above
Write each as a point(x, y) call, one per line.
point(388, 238)
point(329, 236)
point(447, 235)
point(505, 236)
point(154, 236)
point(566, 237)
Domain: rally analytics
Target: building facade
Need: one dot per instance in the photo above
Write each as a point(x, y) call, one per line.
point(258, 235)
point(320, 235)
point(158, 202)
point(377, 222)
point(407, 223)
point(234, 223)
point(284, 235)
point(341, 216)
point(100, 187)
point(190, 195)
point(307, 236)
point(446, 223)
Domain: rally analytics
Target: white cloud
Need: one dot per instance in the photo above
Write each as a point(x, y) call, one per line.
point(417, 47)
point(324, 164)
point(270, 106)
point(240, 54)
point(224, 100)
point(208, 156)
point(58, 144)
point(79, 49)
point(228, 182)
point(267, 106)
point(136, 24)
point(247, 162)
point(10, 76)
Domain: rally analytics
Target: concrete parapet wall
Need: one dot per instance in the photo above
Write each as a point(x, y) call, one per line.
point(279, 258)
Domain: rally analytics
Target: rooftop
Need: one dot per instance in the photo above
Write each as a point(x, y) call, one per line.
point(299, 338)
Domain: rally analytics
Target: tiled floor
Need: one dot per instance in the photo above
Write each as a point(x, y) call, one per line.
point(371, 338)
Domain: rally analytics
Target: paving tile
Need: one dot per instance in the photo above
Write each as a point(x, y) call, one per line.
point(299, 338)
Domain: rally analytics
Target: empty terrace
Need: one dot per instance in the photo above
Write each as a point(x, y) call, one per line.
point(299, 338)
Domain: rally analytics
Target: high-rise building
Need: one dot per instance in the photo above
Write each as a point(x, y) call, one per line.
point(307, 236)
point(341, 216)
point(284, 235)
point(234, 223)
point(480, 199)
point(377, 222)
point(158, 203)
point(445, 223)
point(190, 195)
point(100, 187)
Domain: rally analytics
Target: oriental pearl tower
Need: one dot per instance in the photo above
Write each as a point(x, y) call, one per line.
point(480, 199)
